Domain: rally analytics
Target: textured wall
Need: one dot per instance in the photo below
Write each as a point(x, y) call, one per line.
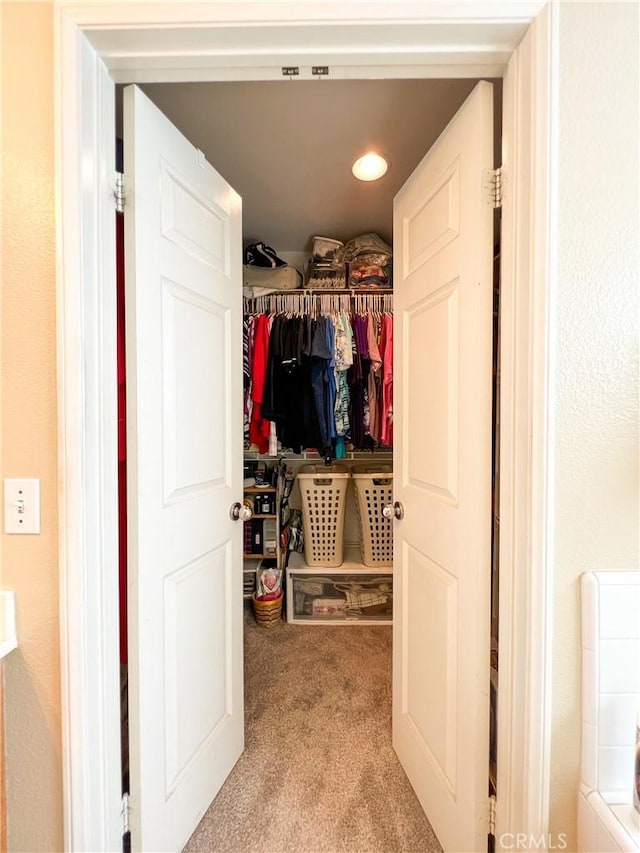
point(597, 343)
point(28, 381)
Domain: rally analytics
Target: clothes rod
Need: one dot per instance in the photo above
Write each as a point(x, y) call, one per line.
point(321, 300)
point(319, 291)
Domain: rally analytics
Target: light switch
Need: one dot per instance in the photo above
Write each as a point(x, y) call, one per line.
point(22, 506)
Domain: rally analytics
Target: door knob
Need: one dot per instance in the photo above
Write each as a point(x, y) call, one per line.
point(240, 512)
point(395, 509)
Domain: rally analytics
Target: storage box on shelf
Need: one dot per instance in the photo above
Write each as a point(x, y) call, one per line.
point(350, 594)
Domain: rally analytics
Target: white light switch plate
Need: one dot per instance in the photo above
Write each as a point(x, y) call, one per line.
point(22, 506)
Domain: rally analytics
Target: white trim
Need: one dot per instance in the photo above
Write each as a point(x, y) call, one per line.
point(222, 40)
point(540, 595)
point(524, 695)
point(86, 318)
point(129, 15)
point(87, 401)
point(441, 70)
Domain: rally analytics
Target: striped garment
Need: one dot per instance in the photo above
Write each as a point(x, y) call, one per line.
point(247, 348)
point(343, 344)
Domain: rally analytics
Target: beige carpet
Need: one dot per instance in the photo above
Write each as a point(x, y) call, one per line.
point(318, 774)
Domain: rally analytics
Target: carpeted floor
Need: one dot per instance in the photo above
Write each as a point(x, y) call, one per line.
point(318, 774)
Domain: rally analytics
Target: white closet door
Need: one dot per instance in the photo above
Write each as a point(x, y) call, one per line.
point(184, 409)
point(442, 463)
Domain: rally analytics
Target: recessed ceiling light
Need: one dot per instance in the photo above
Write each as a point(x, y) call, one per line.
point(369, 167)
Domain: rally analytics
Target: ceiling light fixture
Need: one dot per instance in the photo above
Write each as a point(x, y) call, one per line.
point(370, 167)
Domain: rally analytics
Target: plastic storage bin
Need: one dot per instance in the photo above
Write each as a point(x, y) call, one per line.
point(323, 489)
point(374, 490)
point(348, 595)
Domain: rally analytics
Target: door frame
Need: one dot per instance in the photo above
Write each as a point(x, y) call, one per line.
point(99, 43)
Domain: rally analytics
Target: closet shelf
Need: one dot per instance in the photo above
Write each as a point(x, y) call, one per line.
point(352, 564)
point(257, 490)
point(313, 455)
point(317, 291)
point(259, 556)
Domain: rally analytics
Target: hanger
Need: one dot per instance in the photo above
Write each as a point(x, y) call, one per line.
point(313, 304)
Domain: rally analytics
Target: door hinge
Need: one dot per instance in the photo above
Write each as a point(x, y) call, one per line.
point(493, 187)
point(118, 192)
point(492, 814)
point(125, 814)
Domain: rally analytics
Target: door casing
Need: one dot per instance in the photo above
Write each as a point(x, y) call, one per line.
point(99, 43)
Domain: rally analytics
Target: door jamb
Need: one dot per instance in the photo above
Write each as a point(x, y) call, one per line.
point(526, 432)
point(85, 131)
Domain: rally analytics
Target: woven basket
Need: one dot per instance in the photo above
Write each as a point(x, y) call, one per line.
point(267, 613)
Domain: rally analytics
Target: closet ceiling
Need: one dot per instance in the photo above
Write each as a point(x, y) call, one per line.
point(287, 147)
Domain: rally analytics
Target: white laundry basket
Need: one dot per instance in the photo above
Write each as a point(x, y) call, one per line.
point(374, 490)
point(323, 489)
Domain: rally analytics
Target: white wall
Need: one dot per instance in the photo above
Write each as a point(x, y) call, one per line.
point(597, 304)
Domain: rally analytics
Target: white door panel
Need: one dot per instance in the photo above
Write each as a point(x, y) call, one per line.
point(442, 456)
point(184, 409)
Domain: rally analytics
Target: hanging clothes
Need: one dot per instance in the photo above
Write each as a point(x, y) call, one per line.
point(386, 407)
point(259, 427)
point(311, 425)
point(274, 391)
point(374, 379)
point(287, 393)
point(247, 358)
point(323, 382)
point(358, 382)
point(318, 382)
point(343, 361)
